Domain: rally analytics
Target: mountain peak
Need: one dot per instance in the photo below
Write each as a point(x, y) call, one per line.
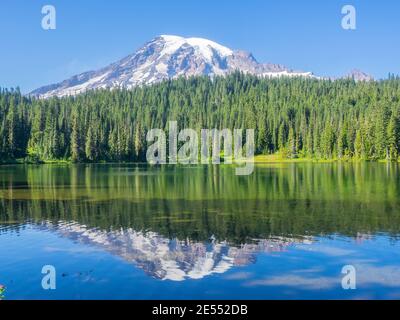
point(202, 46)
point(166, 57)
point(195, 42)
point(359, 75)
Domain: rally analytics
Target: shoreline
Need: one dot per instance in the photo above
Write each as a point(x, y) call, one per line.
point(258, 159)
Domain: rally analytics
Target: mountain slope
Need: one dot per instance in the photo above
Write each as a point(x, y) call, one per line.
point(166, 57)
point(358, 75)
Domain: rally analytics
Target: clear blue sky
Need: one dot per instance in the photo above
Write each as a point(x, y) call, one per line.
point(305, 35)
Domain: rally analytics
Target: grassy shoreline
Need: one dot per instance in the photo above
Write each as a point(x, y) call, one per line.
point(258, 159)
point(277, 158)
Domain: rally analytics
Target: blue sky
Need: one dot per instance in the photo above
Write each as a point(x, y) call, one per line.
point(305, 35)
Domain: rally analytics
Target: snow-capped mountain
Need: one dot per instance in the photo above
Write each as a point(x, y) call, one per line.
point(359, 75)
point(167, 57)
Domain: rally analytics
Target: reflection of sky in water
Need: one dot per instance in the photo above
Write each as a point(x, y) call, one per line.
point(123, 264)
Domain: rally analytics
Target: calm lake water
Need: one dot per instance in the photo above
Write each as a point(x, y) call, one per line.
point(182, 232)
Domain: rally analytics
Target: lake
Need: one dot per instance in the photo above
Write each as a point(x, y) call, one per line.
point(116, 231)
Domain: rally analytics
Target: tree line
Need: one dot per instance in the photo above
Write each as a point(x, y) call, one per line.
point(297, 117)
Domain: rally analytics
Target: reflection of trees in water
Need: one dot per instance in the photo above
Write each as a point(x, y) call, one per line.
point(197, 202)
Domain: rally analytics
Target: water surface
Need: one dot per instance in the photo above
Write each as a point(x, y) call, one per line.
point(182, 232)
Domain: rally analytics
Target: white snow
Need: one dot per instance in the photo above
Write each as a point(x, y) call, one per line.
point(162, 68)
point(202, 46)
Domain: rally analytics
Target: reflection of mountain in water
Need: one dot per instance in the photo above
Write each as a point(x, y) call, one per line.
point(171, 259)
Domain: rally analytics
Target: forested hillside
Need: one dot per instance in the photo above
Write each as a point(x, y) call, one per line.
point(298, 117)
